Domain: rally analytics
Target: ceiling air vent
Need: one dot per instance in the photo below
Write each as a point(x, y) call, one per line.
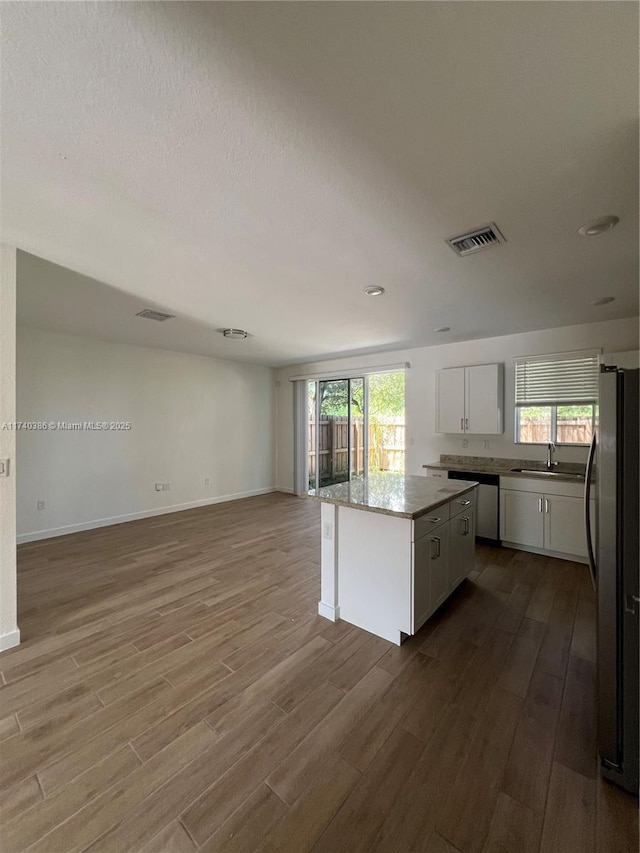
point(476, 240)
point(149, 314)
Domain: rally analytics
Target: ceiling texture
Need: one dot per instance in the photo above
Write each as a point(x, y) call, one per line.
point(257, 165)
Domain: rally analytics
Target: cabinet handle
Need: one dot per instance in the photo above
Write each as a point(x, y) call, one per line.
point(546, 506)
point(434, 519)
point(435, 542)
point(465, 532)
point(539, 504)
point(464, 503)
point(462, 424)
point(466, 423)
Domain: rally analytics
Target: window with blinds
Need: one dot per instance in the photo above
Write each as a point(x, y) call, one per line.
point(556, 398)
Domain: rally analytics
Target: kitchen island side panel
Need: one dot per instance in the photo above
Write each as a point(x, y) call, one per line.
point(328, 604)
point(375, 571)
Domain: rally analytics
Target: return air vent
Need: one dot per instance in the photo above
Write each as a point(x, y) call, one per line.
point(476, 240)
point(149, 314)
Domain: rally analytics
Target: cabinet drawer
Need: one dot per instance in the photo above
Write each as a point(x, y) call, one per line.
point(437, 472)
point(571, 489)
point(426, 523)
point(465, 503)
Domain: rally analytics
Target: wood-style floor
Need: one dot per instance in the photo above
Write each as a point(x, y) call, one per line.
point(176, 691)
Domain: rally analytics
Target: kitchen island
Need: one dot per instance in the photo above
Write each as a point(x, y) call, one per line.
point(393, 549)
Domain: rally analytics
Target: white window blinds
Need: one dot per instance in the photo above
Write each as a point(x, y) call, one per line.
point(555, 380)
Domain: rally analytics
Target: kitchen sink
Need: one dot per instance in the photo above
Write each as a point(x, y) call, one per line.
point(544, 473)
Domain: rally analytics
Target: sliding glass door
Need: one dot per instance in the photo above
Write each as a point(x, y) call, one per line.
point(336, 431)
point(354, 427)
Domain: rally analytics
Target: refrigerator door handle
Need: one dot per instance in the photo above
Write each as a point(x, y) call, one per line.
point(587, 511)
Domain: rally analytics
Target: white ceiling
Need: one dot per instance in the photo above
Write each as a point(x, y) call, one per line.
point(259, 164)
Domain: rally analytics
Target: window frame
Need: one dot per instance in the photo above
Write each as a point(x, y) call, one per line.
point(549, 358)
point(553, 432)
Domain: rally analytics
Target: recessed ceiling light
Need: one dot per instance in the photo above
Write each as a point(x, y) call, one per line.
point(604, 300)
point(374, 291)
point(598, 226)
point(443, 329)
point(235, 334)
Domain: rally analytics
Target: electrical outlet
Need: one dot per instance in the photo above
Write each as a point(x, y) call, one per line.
point(166, 487)
point(327, 530)
point(158, 487)
point(485, 445)
point(465, 442)
point(207, 481)
point(42, 504)
point(4, 467)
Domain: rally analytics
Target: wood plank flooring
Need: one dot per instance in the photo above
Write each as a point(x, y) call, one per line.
point(177, 691)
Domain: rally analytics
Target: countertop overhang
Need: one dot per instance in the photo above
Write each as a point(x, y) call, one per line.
point(402, 495)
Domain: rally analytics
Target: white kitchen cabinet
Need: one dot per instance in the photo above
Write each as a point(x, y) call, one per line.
point(545, 521)
point(438, 473)
point(450, 400)
point(521, 518)
point(484, 399)
point(470, 400)
point(462, 535)
point(421, 585)
point(564, 525)
point(439, 565)
point(431, 583)
point(387, 569)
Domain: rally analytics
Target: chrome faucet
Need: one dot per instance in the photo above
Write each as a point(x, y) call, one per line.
point(551, 447)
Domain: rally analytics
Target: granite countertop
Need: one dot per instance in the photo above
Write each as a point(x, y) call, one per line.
point(402, 495)
point(565, 472)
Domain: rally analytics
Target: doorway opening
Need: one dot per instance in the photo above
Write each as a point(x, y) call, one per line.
point(356, 427)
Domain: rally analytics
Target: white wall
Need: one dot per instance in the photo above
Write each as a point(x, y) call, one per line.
point(9, 633)
point(423, 443)
point(192, 417)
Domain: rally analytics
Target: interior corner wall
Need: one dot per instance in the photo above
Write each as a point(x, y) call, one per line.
point(423, 444)
point(192, 419)
point(9, 633)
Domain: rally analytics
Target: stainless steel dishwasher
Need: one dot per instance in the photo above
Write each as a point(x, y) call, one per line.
point(488, 504)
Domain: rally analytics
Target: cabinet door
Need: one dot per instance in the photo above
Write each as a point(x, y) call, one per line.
point(450, 400)
point(421, 587)
point(564, 527)
point(462, 547)
point(439, 565)
point(521, 518)
point(484, 393)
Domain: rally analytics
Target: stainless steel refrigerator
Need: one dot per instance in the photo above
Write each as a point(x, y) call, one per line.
point(613, 479)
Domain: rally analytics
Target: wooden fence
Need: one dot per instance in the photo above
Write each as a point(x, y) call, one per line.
point(569, 432)
point(386, 448)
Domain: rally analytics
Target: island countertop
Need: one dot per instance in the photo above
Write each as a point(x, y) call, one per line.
point(401, 495)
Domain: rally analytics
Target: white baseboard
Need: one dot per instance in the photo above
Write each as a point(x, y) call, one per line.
point(329, 612)
point(284, 489)
point(36, 535)
point(8, 641)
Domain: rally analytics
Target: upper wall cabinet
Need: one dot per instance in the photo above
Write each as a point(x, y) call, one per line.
point(470, 399)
